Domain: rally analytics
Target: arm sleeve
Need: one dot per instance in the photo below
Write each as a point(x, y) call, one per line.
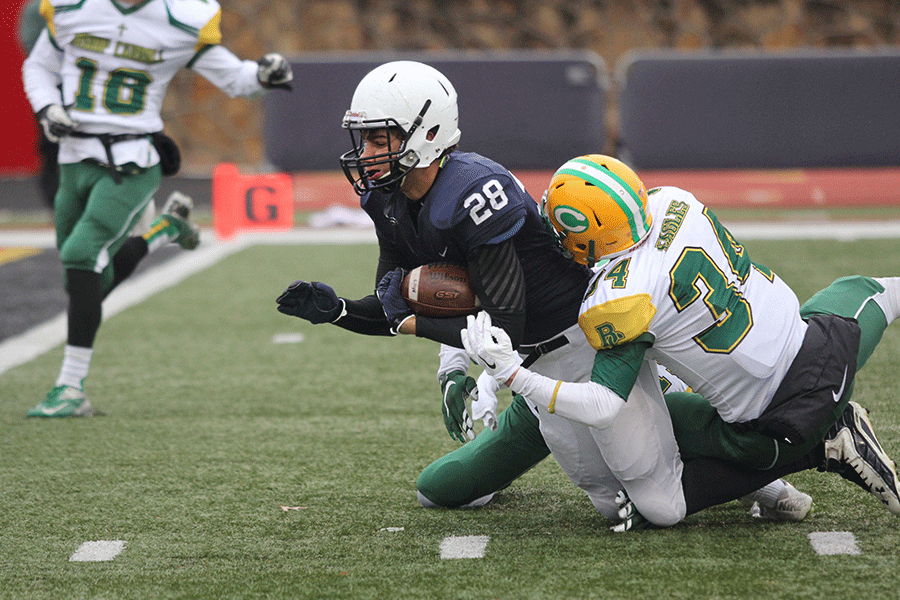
point(590, 403)
point(30, 24)
point(594, 403)
point(452, 359)
point(226, 71)
point(617, 368)
point(40, 73)
point(366, 315)
point(499, 283)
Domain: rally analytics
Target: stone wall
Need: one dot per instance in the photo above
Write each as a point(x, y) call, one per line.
point(212, 128)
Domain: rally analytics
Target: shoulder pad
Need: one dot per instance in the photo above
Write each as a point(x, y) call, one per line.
point(617, 321)
point(466, 175)
point(199, 17)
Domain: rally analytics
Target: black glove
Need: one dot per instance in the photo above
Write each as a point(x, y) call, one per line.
point(316, 302)
point(274, 71)
point(395, 307)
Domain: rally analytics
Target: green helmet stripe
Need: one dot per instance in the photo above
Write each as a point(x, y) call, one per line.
point(616, 188)
point(628, 210)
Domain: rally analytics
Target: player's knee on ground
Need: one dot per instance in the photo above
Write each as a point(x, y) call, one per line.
point(604, 502)
point(657, 504)
point(448, 484)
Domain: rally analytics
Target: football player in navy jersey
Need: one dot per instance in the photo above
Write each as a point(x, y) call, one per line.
point(430, 203)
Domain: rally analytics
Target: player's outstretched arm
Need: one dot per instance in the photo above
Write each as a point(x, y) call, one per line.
point(590, 403)
point(238, 77)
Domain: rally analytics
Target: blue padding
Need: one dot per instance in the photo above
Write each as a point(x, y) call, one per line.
point(742, 110)
point(523, 109)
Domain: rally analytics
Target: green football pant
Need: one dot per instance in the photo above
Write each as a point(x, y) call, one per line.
point(489, 463)
point(94, 214)
point(699, 429)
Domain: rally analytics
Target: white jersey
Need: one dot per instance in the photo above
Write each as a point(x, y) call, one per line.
point(727, 327)
point(114, 63)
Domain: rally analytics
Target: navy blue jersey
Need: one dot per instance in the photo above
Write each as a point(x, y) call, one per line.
point(474, 201)
point(473, 204)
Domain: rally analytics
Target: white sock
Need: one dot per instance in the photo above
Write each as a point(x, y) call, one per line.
point(889, 300)
point(76, 362)
point(768, 496)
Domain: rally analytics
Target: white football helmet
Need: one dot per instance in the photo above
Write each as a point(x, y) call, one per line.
point(412, 99)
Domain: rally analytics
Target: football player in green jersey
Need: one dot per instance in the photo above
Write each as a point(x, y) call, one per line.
point(96, 78)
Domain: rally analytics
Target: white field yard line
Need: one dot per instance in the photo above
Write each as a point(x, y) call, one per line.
point(20, 349)
point(464, 546)
point(827, 543)
point(98, 551)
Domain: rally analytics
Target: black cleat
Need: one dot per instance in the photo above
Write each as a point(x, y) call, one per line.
point(853, 452)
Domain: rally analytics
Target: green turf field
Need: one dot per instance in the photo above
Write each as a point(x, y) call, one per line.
point(211, 429)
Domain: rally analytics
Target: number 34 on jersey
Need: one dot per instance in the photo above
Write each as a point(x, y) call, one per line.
point(689, 275)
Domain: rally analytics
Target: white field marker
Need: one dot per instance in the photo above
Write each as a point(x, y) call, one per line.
point(466, 546)
point(97, 551)
point(833, 542)
point(288, 338)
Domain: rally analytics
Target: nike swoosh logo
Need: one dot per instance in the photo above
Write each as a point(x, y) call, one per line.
point(52, 411)
point(447, 391)
point(444, 253)
point(491, 366)
point(837, 395)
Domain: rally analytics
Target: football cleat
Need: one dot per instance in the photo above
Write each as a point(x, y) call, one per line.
point(63, 401)
point(853, 452)
point(180, 206)
point(173, 225)
point(791, 505)
point(631, 519)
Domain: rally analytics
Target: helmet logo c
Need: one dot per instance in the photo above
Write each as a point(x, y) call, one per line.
point(571, 219)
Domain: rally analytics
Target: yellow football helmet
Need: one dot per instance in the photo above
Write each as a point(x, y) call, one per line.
point(598, 207)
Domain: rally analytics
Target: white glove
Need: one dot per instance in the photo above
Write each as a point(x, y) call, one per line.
point(56, 122)
point(484, 402)
point(274, 72)
point(490, 347)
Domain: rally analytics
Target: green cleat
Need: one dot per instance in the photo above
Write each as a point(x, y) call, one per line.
point(173, 224)
point(63, 401)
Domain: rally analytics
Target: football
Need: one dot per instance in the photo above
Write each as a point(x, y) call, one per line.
point(439, 290)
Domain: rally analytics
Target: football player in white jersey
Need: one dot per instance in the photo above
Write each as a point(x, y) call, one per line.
point(96, 79)
point(673, 285)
